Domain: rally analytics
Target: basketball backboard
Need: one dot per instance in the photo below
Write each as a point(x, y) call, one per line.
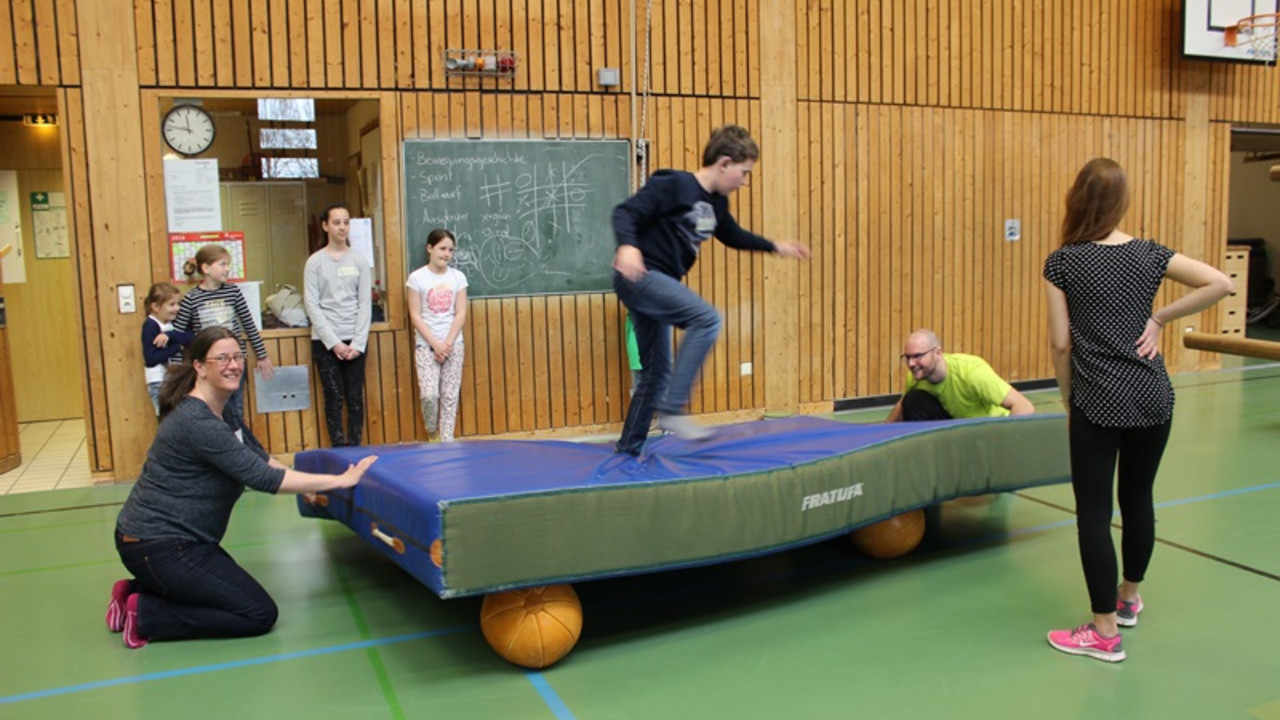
point(1205, 23)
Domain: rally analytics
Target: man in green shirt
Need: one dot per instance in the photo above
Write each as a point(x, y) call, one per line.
point(943, 386)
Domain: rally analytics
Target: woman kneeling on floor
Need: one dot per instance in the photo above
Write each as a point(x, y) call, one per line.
point(169, 530)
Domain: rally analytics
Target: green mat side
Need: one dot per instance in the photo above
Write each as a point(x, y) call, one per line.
point(589, 532)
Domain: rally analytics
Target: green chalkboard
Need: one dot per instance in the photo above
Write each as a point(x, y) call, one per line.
point(531, 216)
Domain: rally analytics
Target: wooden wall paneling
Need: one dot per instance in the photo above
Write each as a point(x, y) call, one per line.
point(557, 375)
point(184, 43)
point(270, 65)
point(494, 372)
point(75, 173)
point(380, 396)
point(531, 72)
point(840, 252)
point(292, 352)
point(703, 49)
point(289, 44)
point(599, 359)
point(207, 48)
point(67, 70)
point(585, 343)
point(584, 17)
point(549, 50)
point(24, 40)
point(881, 42)
point(615, 362)
point(830, 295)
point(917, 51)
point(8, 50)
point(721, 25)
point(569, 347)
point(311, 39)
point(346, 59)
point(670, 48)
point(474, 416)
point(164, 61)
point(115, 141)
point(520, 338)
point(402, 425)
point(386, 32)
point(809, 224)
point(241, 39)
point(538, 390)
point(806, 20)
point(366, 36)
point(46, 32)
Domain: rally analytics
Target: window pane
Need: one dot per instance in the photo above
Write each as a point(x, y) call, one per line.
point(277, 139)
point(290, 168)
point(290, 109)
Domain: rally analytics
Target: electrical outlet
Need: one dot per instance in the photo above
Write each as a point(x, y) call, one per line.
point(745, 369)
point(127, 300)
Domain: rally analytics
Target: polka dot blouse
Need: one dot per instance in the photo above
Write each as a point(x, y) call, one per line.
point(1109, 291)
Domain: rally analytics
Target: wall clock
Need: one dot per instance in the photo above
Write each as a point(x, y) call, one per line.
point(189, 129)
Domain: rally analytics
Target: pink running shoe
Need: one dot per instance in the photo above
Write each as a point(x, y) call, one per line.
point(1085, 640)
point(132, 639)
point(120, 593)
point(1127, 612)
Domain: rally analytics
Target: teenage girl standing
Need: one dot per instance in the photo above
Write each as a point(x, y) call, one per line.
point(1105, 341)
point(437, 298)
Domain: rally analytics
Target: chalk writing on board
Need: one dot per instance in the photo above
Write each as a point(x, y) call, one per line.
point(529, 216)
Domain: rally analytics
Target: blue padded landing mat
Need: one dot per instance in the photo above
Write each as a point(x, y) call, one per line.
point(478, 516)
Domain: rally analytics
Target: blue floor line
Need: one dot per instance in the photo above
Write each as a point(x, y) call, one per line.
point(235, 664)
point(539, 682)
point(549, 696)
point(1219, 495)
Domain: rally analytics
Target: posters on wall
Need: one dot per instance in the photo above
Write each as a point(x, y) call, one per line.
point(192, 200)
point(14, 262)
point(49, 225)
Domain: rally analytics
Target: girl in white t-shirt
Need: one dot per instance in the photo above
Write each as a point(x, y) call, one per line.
point(437, 300)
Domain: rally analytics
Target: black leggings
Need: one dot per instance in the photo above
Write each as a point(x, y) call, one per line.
point(1094, 453)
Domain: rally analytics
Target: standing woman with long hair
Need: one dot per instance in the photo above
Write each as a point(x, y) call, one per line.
point(437, 298)
point(170, 530)
point(1105, 340)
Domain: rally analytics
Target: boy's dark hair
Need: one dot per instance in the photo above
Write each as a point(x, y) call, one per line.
point(732, 141)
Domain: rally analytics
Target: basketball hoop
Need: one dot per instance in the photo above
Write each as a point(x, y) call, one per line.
point(1256, 31)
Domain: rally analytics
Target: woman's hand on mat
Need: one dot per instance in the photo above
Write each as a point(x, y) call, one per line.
point(356, 471)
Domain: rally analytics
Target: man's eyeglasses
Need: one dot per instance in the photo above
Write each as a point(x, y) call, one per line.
point(908, 357)
point(224, 359)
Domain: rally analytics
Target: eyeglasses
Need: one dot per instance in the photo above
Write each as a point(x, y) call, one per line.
point(224, 359)
point(908, 357)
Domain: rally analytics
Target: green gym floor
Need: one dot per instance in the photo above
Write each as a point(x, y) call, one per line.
point(954, 630)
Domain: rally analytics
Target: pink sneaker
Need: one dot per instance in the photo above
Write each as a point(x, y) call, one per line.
point(120, 593)
point(132, 639)
point(1085, 640)
point(1127, 612)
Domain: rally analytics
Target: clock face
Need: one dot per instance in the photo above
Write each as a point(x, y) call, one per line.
point(188, 129)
